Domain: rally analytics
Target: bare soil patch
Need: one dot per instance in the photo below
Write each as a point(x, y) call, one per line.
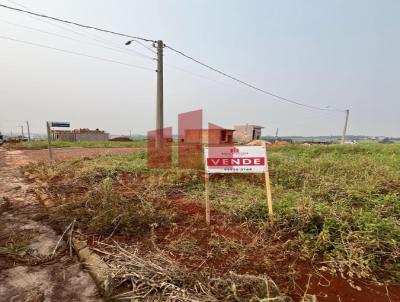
point(236, 247)
point(29, 271)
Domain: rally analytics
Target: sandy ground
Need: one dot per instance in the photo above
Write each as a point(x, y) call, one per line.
point(29, 271)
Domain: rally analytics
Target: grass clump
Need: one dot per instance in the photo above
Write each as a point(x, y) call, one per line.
point(105, 211)
point(341, 204)
point(184, 246)
point(15, 243)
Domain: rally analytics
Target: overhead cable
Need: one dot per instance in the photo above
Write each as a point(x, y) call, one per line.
point(74, 53)
point(75, 23)
point(283, 99)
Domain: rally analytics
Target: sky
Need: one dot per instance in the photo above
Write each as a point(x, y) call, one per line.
point(335, 54)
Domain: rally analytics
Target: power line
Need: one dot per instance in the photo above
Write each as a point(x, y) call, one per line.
point(75, 23)
point(249, 85)
point(282, 99)
point(194, 74)
point(145, 46)
point(74, 53)
point(289, 121)
point(83, 33)
point(73, 39)
point(307, 120)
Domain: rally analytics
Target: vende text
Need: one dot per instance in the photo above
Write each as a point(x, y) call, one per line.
point(222, 162)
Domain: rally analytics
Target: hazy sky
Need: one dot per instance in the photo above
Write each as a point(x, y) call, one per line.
point(343, 54)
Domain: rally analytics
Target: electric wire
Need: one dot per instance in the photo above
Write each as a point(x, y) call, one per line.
point(73, 39)
point(285, 122)
point(278, 97)
point(167, 66)
point(75, 23)
point(75, 53)
point(250, 85)
point(84, 33)
point(145, 46)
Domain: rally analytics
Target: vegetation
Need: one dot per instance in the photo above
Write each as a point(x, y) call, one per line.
point(33, 145)
point(336, 206)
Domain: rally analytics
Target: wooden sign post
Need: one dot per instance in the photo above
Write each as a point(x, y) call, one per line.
point(207, 186)
point(268, 184)
point(236, 159)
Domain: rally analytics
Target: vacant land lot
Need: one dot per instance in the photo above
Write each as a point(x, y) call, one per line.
point(335, 234)
point(42, 155)
point(37, 151)
point(35, 145)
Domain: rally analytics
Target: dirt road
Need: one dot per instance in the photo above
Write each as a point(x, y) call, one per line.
point(30, 270)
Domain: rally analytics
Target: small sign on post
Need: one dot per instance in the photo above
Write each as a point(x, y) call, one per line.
point(60, 124)
point(237, 159)
point(48, 126)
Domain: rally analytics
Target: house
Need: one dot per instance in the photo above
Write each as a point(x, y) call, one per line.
point(79, 135)
point(209, 136)
point(246, 133)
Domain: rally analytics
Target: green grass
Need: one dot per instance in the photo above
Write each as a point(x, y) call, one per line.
point(58, 144)
point(337, 206)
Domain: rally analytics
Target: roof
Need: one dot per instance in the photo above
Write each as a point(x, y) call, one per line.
point(86, 130)
point(220, 129)
point(254, 126)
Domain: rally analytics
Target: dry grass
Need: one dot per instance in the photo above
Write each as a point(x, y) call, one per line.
point(103, 210)
point(155, 277)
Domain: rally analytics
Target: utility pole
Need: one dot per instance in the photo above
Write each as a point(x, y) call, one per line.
point(160, 95)
point(130, 134)
point(345, 125)
point(29, 131)
point(49, 142)
point(22, 132)
point(276, 135)
point(159, 45)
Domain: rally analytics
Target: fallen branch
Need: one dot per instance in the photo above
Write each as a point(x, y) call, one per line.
point(62, 236)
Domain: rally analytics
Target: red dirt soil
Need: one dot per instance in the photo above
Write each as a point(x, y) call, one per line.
point(279, 267)
point(294, 276)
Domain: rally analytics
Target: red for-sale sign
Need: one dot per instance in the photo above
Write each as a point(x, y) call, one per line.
point(237, 159)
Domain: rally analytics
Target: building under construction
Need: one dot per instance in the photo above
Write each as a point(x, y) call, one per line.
point(209, 136)
point(246, 133)
point(79, 135)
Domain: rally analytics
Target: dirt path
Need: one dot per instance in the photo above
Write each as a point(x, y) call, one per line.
point(28, 271)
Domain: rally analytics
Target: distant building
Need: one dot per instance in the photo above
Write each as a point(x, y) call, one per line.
point(246, 133)
point(79, 135)
point(209, 136)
